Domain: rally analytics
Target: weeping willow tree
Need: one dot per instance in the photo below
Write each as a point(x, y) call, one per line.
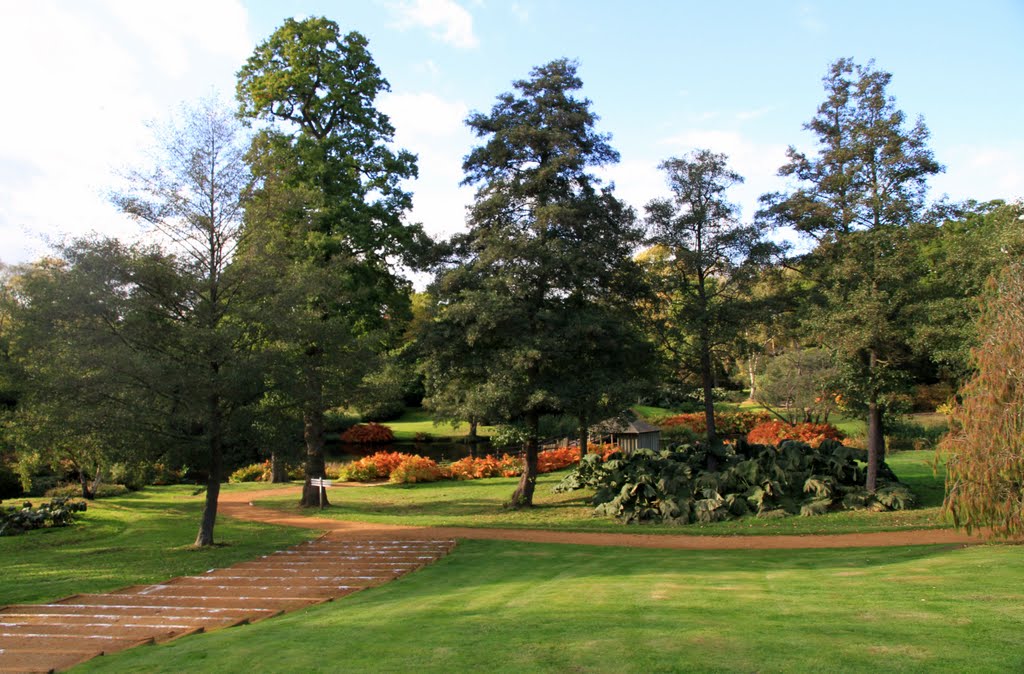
point(985, 451)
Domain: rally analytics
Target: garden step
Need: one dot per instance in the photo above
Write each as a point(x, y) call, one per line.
point(95, 629)
point(45, 637)
point(30, 661)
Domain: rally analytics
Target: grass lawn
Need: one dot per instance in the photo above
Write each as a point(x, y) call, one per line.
point(417, 420)
point(516, 607)
point(143, 537)
point(478, 503)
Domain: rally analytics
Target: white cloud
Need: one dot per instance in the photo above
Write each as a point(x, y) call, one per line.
point(434, 129)
point(981, 172)
point(87, 76)
point(810, 20)
point(521, 13)
point(758, 163)
point(447, 20)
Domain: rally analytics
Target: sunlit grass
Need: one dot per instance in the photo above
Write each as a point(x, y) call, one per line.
point(144, 537)
point(480, 503)
point(516, 607)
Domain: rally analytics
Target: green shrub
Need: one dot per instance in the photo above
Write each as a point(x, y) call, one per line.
point(338, 421)
point(58, 512)
point(902, 433)
point(74, 490)
point(791, 478)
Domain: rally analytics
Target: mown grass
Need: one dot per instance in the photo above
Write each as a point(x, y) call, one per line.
point(144, 537)
point(516, 607)
point(479, 503)
point(416, 420)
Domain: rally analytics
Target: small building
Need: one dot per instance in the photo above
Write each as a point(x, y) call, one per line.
point(628, 435)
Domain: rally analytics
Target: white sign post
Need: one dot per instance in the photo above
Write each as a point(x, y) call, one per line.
point(321, 484)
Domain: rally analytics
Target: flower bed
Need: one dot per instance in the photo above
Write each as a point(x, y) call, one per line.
point(735, 423)
point(774, 432)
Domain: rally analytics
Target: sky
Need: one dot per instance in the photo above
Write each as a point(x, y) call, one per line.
point(84, 80)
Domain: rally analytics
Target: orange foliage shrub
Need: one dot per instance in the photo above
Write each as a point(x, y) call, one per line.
point(475, 468)
point(368, 433)
point(377, 466)
point(775, 431)
point(736, 423)
point(551, 460)
point(415, 468)
point(603, 450)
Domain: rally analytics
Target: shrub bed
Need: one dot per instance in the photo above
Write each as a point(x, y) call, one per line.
point(775, 431)
point(368, 434)
point(57, 512)
point(764, 480)
point(414, 468)
point(734, 423)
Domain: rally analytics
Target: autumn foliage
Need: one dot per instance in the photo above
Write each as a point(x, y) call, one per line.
point(775, 431)
point(368, 434)
point(738, 423)
point(985, 448)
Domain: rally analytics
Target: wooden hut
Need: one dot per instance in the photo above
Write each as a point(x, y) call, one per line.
point(628, 435)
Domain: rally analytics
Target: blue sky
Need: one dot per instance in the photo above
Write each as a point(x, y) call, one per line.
point(82, 77)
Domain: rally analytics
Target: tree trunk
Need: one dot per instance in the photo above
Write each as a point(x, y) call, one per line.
point(278, 471)
point(876, 431)
point(709, 403)
point(205, 535)
point(584, 437)
point(83, 480)
point(751, 368)
point(473, 437)
point(522, 497)
point(313, 432)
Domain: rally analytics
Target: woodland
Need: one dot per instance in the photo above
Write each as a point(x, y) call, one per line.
point(270, 309)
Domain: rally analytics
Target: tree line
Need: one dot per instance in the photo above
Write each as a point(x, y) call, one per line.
point(270, 290)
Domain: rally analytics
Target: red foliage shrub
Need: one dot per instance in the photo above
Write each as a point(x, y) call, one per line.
point(368, 433)
point(774, 432)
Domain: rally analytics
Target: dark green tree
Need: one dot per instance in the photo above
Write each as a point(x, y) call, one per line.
point(706, 267)
point(857, 197)
point(542, 280)
point(325, 216)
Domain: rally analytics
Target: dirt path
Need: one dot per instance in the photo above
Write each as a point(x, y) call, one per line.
point(240, 505)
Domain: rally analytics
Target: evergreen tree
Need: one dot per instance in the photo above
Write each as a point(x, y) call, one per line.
point(534, 316)
point(857, 197)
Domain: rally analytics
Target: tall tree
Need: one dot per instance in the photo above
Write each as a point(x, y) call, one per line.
point(857, 197)
point(547, 255)
point(191, 196)
point(985, 448)
point(325, 214)
point(708, 260)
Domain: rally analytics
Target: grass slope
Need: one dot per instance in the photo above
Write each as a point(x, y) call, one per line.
point(512, 607)
point(143, 537)
point(416, 420)
point(478, 503)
